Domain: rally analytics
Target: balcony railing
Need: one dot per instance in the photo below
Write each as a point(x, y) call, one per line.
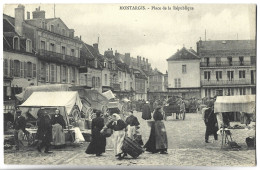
point(58, 57)
point(226, 82)
point(223, 64)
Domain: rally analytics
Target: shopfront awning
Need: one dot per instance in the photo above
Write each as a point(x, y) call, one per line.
point(244, 103)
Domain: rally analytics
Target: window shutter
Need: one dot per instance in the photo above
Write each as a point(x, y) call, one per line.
point(244, 74)
point(25, 69)
point(5, 67)
point(34, 70)
point(205, 75)
point(220, 74)
point(11, 68)
point(21, 69)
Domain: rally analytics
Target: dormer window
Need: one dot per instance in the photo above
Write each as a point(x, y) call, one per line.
point(72, 52)
point(52, 28)
point(43, 24)
point(28, 46)
point(16, 43)
point(95, 63)
point(105, 64)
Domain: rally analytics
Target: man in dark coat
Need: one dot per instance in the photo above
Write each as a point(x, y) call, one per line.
point(146, 112)
point(210, 121)
point(19, 126)
point(44, 131)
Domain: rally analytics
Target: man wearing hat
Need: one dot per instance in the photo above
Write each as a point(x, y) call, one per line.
point(19, 127)
point(210, 121)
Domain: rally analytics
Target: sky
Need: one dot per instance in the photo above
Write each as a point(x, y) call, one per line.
point(153, 34)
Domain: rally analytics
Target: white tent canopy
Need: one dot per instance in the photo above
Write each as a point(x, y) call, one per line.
point(109, 94)
point(244, 103)
point(52, 99)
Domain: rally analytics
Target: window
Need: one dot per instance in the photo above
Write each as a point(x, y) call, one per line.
point(43, 24)
point(93, 82)
point(53, 73)
point(16, 43)
point(52, 47)
point(124, 84)
point(86, 79)
point(230, 92)
point(253, 60)
point(52, 28)
point(131, 85)
point(72, 52)
point(64, 74)
point(63, 32)
point(105, 65)
point(25, 69)
point(184, 69)
point(207, 92)
point(34, 70)
point(98, 82)
point(242, 74)
point(218, 61)
point(63, 50)
point(253, 90)
point(95, 63)
point(230, 75)
point(242, 91)
point(241, 60)
point(229, 61)
point(43, 47)
point(73, 75)
point(206, 60)
point(5, 67)
point(105, 79)
point(218, 75)
point(16, 68)
point(29, 69)
point(47, 72)
point(177, 83)
point(28, 46)
point(43, 71)
point(22, 70)
point(207, 75)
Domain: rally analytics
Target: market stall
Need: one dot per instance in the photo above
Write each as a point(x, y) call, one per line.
point(68, 103)
point(244, 104)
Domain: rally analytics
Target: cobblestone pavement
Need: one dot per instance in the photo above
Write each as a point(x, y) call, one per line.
point(186, 148)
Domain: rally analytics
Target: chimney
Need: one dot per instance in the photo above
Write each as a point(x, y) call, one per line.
point(96, 47)
point(80, 37)
point(28, 15)
point(19, 19)
point(146, 61)
point(38, 13)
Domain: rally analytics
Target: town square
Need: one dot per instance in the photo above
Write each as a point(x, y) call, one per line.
point(135, 85)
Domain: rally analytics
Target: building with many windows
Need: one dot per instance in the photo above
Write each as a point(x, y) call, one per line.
point(228, 67)
point(184, 74)
point(90, 67)
point(39, 50)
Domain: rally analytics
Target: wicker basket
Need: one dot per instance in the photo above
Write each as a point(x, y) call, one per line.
point(132, 148)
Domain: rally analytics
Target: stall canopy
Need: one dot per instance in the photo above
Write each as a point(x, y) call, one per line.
point(109, 94)
point(54, 99)
point(244, 103)
point(43, 88)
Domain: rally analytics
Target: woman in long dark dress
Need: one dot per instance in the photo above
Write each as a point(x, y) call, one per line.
point(98, 144)
point(157, 141)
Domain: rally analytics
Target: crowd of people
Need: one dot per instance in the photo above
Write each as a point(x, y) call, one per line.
point(51, 129)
